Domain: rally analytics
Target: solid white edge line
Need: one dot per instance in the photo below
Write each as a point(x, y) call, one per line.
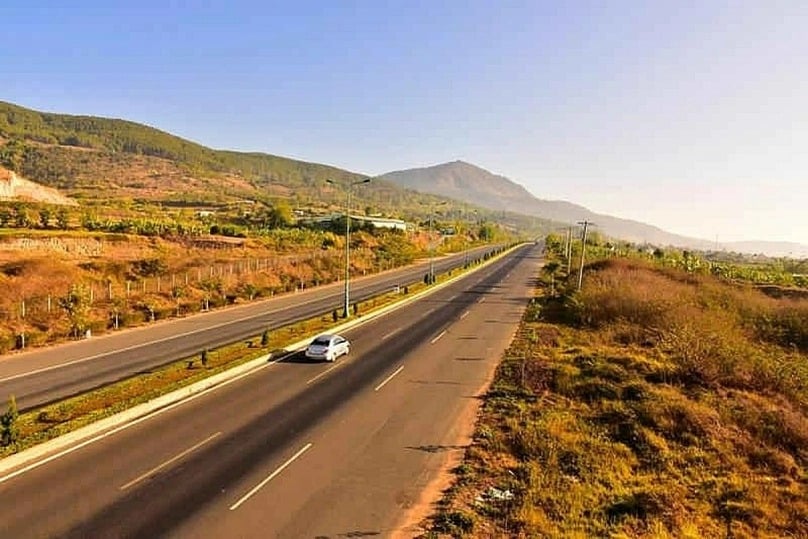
point(441, 334)
point(271, 476)
point(329, 369)
point(465, 314)
point(169, 462)
point(125, 426)
point(398, 370)
point(481, 299)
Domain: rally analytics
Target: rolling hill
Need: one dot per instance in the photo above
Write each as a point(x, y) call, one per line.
point(100, 162)
point(463, 181)
point(103, 162)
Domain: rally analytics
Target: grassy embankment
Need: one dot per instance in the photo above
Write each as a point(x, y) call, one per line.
point(652, 403)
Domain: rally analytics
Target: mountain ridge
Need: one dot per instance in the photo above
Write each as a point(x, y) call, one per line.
point(473, 184)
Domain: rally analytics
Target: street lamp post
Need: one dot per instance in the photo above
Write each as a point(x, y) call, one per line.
point(346, 307)
point(431, 246)
point(466, 238)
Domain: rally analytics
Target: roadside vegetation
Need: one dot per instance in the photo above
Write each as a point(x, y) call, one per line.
point(654, 402)
point(774, 275)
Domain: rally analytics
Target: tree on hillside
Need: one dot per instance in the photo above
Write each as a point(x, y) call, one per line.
point(22, 218)
point(12, 155)
point(45, 215)
point(486, 232)
point(5, 217)
point(63, 218)
point(279, 215)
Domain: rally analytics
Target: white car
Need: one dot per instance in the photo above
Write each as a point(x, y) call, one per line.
point(328, 347)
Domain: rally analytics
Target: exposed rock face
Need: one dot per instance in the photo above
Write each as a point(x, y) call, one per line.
point(12, 187)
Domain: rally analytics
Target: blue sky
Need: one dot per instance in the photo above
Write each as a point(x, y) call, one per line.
point(692, 116)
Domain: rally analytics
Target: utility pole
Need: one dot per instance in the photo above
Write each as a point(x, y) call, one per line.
point(568, 250)
point(585, 224)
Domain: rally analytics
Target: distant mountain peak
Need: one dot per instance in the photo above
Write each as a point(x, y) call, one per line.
point(470, 183)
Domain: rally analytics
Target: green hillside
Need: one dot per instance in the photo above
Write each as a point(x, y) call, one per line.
point(111, 135)
point(120, 168)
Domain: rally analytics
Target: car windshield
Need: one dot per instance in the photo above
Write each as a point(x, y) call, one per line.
point(321, 341)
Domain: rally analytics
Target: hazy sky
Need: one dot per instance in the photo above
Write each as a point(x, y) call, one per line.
point(689, 116)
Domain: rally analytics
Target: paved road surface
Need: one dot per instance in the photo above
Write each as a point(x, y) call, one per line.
point(296, 449)
point(45, 375)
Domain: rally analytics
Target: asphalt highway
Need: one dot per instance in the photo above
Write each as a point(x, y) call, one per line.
point(49, 374)
point(295, 449)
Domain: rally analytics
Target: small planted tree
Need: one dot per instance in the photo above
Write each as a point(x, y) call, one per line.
point(265, 338)
point(76, 305)
point(9, 432)
point(177, 292)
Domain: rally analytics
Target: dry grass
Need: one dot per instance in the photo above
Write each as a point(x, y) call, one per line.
point(651, 404)
point(39, 270)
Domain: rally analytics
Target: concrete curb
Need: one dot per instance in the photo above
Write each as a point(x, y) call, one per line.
point(110, 425)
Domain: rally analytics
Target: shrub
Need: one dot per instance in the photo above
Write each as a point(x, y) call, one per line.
point(455, 523)
point(785, 325)
point(679, 418)
point(9, 431)
point(775, 424)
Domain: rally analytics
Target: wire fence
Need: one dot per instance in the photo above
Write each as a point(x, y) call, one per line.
point(87, 308)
